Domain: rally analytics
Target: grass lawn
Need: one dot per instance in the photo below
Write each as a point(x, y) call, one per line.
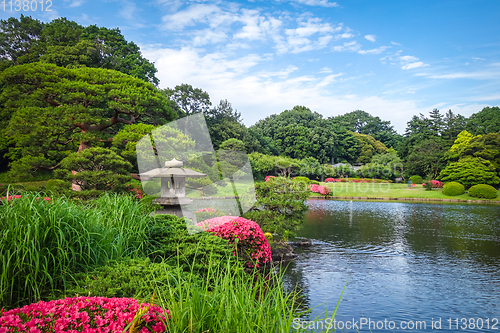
point(386, 190)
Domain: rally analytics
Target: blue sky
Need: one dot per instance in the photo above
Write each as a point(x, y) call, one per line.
point(392, 59)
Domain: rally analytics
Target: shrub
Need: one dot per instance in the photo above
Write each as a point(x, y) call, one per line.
point(453, 188)
point(245, 236)
point(430, 184)
point(483, 191)
point(416, 179)
point(302, 179)
point(57, 186)
point(210, 189)
point(324, 190)
point(207, 213)
point(314, 182)
point(136, 278)
point(269, 178)
point(85, 314)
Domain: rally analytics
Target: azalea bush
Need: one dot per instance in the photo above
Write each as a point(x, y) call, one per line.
point(320, 189)
point(207, 213)
point(246, 236)
point(10, 197)
point(429, 185)
point(85, 314)
point(332, 180)
point(269, 178)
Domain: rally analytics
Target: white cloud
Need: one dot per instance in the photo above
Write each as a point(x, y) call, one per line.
point(321, 3)
point(348, 46)
point(74, 3)
point(345, 35)
point(371, 38)
point(190, 16)
point(414, 65)
point(257, 95)
point(408, 58)
point(326, 70)
point(477, 58)
point(374, 51)
point(479, 75)
point(394, 43)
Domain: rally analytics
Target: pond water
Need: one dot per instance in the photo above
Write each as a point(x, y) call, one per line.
point(401, 262)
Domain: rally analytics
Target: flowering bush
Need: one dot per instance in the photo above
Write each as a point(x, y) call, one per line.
point(207, 213)
point(84, 314)
point(269, 177)
point(47, 199)
point(246, 236)
point(324, 190)
point(314, 188)
point(432, 184)
point(332, 180)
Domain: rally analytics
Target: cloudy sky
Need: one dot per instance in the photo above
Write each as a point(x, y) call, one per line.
point(392, 59)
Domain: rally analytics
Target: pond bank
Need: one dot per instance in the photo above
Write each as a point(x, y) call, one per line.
point(479, 201)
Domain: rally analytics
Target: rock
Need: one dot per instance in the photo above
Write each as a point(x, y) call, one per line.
point(283, 252)
point(305, 242)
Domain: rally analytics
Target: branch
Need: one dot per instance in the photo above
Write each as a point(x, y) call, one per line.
point(50, 168)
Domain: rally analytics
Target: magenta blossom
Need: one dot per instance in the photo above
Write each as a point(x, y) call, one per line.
point(84, 314)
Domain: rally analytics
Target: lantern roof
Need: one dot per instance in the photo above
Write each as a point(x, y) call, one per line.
point(172, 168)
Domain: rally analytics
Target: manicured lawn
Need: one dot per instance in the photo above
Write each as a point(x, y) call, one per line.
point(386, 190)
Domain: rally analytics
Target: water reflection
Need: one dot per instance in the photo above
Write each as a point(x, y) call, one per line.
point(402, 261)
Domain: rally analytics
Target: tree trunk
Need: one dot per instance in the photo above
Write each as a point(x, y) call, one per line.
point(83, 145)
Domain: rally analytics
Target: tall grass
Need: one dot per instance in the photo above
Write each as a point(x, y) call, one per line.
point(42, 244)
point(230, 300)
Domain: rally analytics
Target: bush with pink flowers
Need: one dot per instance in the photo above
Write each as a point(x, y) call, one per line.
point(47, 199)
point(324, 190)
point(269, 178)
point(332, 180)
point(85, 314)
point(429, 185)
point(207, 213)
point(246, 236)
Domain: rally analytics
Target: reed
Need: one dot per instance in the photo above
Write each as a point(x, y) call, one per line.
point(43, 244)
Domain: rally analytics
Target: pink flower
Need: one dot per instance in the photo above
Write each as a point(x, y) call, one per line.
point(82, 314)
point(269, 177)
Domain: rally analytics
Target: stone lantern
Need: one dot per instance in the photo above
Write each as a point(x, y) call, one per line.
point(173, 188)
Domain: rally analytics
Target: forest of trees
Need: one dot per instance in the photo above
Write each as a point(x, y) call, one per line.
point(65, 88)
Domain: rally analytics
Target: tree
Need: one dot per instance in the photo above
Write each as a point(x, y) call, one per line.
point(224, 123)
point(188, 100)
point(461, 143)
point(453, 125)
point(50, 111)
point(67, 44)
point(485, 121)
point(470, 171)
point(427, 158)
point(293, 141)
point(98, 169)
point(280, 206)
point(369, 147)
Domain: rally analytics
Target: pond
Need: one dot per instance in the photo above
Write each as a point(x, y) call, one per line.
point(401, 263)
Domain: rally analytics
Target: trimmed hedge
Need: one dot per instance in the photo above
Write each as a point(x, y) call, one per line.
point(483, 191)
point(302, 179)
point(57, 186)
point(416, 179)
point(453, 188)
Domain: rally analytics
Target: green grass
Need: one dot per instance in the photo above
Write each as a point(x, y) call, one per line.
point(385, 190)
point(223, 191)
point(234, 302)
point(43, 244)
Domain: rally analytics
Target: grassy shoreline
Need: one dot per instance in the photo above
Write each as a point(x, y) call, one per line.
point(394, 192)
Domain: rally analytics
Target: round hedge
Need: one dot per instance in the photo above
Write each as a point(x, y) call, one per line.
point(483, 191)
point(416, 179)
point(453, 188)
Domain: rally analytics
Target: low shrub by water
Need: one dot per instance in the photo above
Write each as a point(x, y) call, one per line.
point(483, 191)
point(453, 189)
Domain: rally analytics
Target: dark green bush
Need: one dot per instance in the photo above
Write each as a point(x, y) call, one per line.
point(170, 241)
point(210, 189)
point(314, 182)
point(483, 191)
point(33, 188)
point(453, 188)
point(136, 278)
point(57, 186)
point(416, 179)
point(302, 179)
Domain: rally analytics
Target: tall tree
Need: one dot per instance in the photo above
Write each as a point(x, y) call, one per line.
point(51, 110)
point(188, 100)
point(485, 121)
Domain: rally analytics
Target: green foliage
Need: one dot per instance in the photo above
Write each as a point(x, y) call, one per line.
point(427, 158)
point(470, 171)
point(210, 189)
point(188, 100)
point(135, 278)
point(483, 191)
point(50, 111)
point(67, 44)
point(315, 182)
point(485, 121)
point(170, 241)
point(369, 147)
point(280, 205)
point(96, 169)
point(305, 180)
point(43, 244)
point(416, 179)
point(453, 189)
point(57, 186)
